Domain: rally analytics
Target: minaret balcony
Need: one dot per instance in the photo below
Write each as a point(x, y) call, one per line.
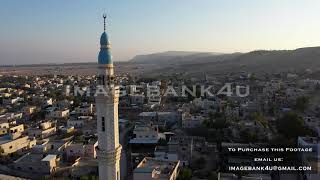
point(109, 156)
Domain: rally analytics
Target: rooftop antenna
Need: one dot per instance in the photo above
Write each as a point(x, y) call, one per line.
point(104, 21)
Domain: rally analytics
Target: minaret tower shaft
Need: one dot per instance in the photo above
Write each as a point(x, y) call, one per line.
point(109, 148)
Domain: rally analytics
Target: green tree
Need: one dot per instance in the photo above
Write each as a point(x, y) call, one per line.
point(290, 125)
point(185, 174)
point(260, 119)
point(162, 142)
point(248, 136)
point(301, 103)
point(213, 176)
point(200, 163)
point(221, 123)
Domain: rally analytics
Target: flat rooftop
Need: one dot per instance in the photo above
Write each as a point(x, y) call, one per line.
point(49, 157)
point(7, 177)
point(158, 168)
point(30, 158)
point(148, 114)
point(35, 158)
point(310, 140)
point(230, 176)
point(4, 139)
point(143, 141)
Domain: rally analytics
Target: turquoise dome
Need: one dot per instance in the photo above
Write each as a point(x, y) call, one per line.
point(104, 39)
point(104, 56)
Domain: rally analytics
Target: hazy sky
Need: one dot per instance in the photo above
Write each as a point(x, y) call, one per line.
point(41, 31)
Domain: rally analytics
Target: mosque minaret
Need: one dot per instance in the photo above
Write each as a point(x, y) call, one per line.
point(109, 148)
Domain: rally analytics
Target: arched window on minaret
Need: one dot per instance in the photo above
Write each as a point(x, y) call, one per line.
point(103, 125)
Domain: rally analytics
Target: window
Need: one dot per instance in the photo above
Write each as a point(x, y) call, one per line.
point(103, 128)
point(99, 80)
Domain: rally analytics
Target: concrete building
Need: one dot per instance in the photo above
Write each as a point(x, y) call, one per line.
point(15, 142)
point(29, 110)
point(10, 101)
point(44, 130)
point(50, 147)
point(310, 158)
point(4, 124)
point(145, 134)
point(185, 147)
point(154, 100)
point(80, 121)
point(151, 168)
point(230, 176)
point(10, 126)
point(191, 121)
point(76, 123)
point(10, 117)
point(76, 150)
point(136, 99)
point(16, 128)
point(170, 117)
point(47, 102)
point(3, 131)
point(85, 109)
point(162, 152)
point(59, 114)
point(36, 163)
point(203, 103)
point(148, 116)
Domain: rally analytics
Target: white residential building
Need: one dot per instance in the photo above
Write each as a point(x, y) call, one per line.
point(45, 130)
point(151, 168)
point(310, 158)
point(137, 99)
point(191, 121)
point(59, 114)
point(82, 150)
point(15, 142)
point(85, 109)
point(146, 134)
point(36, 163)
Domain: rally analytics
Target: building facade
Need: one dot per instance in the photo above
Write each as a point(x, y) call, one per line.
point(151, 168)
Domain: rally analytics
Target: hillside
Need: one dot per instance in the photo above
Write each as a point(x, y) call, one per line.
point(255, 61)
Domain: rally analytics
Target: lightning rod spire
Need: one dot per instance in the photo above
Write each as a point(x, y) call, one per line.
point(104, 22)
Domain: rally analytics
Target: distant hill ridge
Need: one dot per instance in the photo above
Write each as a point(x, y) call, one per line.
point(176, 56)
point(259, 60)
